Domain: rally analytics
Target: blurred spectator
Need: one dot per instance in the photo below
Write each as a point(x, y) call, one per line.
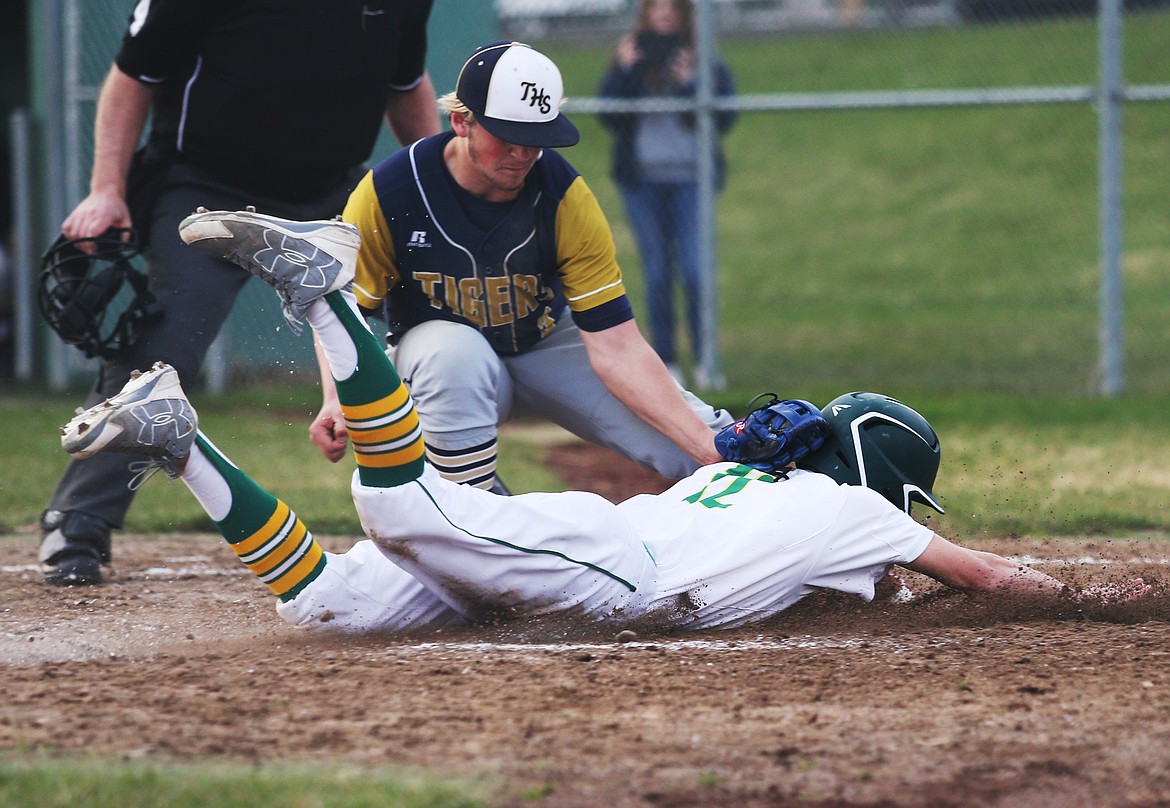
point(655, 162)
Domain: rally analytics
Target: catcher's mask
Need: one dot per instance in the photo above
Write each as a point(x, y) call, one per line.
point(96, 301)
point(879, 442)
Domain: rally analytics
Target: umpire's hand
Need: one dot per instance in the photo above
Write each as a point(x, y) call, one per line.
point(328, 432)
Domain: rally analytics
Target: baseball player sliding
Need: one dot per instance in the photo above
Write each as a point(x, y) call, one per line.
point(731, 544)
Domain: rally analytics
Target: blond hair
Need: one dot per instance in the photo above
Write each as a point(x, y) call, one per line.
point(450, 103)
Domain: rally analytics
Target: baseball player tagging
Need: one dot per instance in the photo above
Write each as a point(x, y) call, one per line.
point(495, 269)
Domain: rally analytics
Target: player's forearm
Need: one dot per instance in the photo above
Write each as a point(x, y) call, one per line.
point(1004, 577)
point(122, 109)
point(328, 385)
point(1012, 578)
point(978, 573)
point(633, 372)
point(413, 114)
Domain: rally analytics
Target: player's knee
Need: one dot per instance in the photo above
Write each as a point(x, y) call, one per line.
point(448, 351)
point(457, 381)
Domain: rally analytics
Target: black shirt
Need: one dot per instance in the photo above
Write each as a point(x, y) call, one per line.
point(278, 97)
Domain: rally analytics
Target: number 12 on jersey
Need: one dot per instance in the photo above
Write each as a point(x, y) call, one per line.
point(726, 484)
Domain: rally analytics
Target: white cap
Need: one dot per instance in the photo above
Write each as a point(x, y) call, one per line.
point(515, 92)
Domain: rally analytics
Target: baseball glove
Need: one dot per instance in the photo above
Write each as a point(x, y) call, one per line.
point(774, 434)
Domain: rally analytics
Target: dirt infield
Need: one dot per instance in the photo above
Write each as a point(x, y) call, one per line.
point(936, 702)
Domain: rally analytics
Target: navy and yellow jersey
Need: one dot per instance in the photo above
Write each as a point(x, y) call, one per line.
point(425, 259)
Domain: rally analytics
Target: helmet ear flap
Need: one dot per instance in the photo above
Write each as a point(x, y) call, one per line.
point(836, 457)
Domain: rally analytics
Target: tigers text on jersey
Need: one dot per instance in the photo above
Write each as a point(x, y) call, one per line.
point(424, 257)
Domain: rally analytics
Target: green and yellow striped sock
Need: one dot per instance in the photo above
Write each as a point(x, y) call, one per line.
point(265, 533)
point(379, 413)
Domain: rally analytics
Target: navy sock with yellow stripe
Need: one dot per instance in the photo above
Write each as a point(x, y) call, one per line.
point(265, 533)
point(379, 413)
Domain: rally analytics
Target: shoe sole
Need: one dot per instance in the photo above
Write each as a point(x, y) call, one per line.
point(91, 431)
point(73, 572)
point(213, 224)
point(299, 241)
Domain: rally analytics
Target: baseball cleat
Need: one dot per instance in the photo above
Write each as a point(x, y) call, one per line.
point(151, 417)
point(74, 546)
point(301, 260)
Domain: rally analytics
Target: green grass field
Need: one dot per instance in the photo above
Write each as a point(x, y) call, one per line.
point(43, 782)
point(948, 257)
point(937, 250)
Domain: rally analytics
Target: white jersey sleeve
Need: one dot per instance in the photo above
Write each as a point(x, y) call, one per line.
point(868, 535)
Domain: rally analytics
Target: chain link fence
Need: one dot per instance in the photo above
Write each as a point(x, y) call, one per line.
point(1060, 67)
point(591, 20)
point(856, 120)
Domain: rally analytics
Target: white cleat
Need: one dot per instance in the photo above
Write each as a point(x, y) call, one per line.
point(301, 260)
point(150, 417)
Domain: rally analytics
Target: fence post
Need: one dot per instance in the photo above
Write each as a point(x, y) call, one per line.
point(1112, 338)
point(709, 368)
point(24, 274)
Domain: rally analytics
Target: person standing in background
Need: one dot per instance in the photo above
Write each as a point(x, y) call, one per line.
point(655, 163)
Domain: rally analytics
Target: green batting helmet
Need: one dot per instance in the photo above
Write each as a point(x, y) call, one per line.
point(879, 442)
